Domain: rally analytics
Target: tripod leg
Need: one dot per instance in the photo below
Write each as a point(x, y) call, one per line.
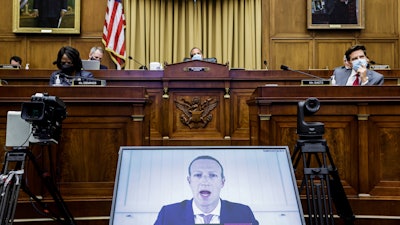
point(10, 184)
point(318, 200)
point(54, 192)
point(314, 213)
point(339, 197)
point(296, 156)
point(14, 198)
point(340, 200)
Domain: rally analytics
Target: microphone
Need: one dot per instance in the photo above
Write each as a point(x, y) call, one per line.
point(142, 67)
point(266, 64)
point(322, 80)
point(63, 75)
point(283, 67)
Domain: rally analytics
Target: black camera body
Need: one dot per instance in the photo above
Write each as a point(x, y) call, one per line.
point(309, 129)
point(46, 114)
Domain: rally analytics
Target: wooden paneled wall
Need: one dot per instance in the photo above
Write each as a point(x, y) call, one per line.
point(99, 121)
point(40, 50)
point(360, 134)
point(286, 39)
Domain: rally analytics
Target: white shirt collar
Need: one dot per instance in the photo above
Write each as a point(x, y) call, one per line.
point(216, 211)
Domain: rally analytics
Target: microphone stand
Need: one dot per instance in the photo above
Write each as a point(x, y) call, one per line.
point(142, 67)
point(320, 81)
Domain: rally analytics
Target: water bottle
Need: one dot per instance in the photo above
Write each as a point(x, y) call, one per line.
point(57, 82)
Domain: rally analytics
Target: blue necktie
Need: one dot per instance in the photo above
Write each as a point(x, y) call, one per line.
point(207, 218)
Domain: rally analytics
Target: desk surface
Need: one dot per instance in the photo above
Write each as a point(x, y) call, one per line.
point(135, 77)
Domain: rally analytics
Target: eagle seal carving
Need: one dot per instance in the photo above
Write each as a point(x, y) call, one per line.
point(196, 113)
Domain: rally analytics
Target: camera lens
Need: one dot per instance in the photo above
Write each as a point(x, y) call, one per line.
point(312, 105)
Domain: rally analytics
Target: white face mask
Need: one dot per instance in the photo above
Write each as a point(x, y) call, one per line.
point(359, 63)
point(197, 57)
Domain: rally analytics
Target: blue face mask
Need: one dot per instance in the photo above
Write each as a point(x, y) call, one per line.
point(359, 63)
point(197, 57)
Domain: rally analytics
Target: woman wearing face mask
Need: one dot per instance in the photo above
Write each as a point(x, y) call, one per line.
point(69, 64)
point(359, 74)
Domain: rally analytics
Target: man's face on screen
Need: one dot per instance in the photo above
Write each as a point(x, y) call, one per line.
point(206, 183)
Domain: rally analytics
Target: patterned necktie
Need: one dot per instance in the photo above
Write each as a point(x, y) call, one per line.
point(357, 80)
point(207, 218)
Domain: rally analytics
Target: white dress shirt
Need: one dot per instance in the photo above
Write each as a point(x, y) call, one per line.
point(198, 219)
point(352, 78)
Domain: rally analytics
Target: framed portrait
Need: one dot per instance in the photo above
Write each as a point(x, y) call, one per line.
point(335, 14)
point(46, 16)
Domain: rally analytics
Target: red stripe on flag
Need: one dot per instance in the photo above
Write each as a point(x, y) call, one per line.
point(114, 32)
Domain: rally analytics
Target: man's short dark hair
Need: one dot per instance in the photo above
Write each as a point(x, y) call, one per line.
point(16, 59)
point(207, 157)
point(353, 49)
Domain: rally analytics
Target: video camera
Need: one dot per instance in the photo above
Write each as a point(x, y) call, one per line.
point(46, 114)
point(309, 129)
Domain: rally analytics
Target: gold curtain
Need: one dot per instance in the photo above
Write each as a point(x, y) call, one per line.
point(166, 30)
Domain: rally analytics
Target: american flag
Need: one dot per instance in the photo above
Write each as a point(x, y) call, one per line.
point(114, 32)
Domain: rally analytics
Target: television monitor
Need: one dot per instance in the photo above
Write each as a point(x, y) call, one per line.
point(18, 131)
point(261, 177)
point(91, 64)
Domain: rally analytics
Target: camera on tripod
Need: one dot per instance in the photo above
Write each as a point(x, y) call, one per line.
point(46, 114)
point(309, 129)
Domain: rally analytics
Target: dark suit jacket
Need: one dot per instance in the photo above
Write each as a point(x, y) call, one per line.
point(341, 75)
point(182, 214)
point(50, 8)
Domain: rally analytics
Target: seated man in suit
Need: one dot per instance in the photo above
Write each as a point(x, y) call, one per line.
point(96, 53)
point(359, 74)
point(16, 61)
point(197, 54)
point(206, 179)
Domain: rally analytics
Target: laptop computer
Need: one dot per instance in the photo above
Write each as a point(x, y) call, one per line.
point(91, 64)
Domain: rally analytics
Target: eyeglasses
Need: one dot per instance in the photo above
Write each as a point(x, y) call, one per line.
point(96, 58)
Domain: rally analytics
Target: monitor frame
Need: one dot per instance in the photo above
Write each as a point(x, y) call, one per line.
point(284, 205)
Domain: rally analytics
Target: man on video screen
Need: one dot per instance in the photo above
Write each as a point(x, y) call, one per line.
point(206, 179)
